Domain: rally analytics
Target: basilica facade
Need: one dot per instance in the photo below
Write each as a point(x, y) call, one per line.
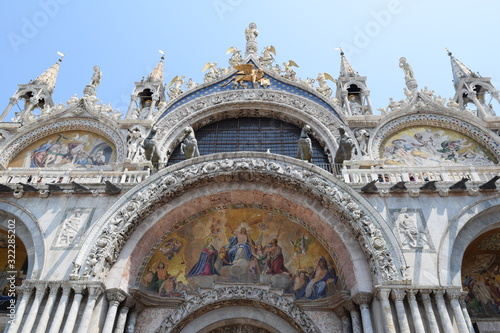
point(254, 201)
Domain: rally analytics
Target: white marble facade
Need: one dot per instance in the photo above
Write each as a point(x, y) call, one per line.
point(411, 237)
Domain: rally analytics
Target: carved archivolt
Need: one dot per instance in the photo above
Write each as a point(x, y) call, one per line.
point(109, 234)
point(237, 295)
point(282, 105)
point(26, 138)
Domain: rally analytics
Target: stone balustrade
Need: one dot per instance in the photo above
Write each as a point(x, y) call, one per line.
point(41, 176)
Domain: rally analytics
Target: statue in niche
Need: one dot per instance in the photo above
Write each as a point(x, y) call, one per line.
point(355, 107)
point(135, 151)
point(305, 146)
point(407, 226)
point(346, 147)
point(189, 147)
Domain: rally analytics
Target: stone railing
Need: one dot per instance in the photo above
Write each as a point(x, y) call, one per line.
point(418, 174)
point(41, 176)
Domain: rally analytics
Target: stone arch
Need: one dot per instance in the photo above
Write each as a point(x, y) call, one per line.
point(24, 139)
point(290, 108)
point(471, 222)
point(106, 239)
point(457, 122)
point(223, 303)
point(28, 229)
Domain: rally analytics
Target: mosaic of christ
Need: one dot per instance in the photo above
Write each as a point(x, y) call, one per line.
point(71, 149)
point(433, 146)
point(240, 244)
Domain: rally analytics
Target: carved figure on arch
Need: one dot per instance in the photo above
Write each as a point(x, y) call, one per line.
point(189, 147)
point(305, 145)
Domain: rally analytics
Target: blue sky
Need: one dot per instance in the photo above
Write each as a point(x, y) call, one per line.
point(123, 38)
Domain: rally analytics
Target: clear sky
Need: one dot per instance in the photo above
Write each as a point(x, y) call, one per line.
point(123, 39)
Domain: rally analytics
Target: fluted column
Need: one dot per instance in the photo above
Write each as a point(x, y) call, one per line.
point(44, 319)
point(383, 296)
point(398, 295)
point(364, 300)
point(418, 324)
point(25, 290)
point(93, 294)
point(355, 318)
point(115, 297)
point(465, 312)
point(429, 311)
point(443, 312)
point(61, 309)
point(344, 318)
point(453, 295)
point(30, 319)
point(75, 306)
point(122, 317)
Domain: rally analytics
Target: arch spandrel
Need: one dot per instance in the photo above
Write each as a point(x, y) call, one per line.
point(106, 239)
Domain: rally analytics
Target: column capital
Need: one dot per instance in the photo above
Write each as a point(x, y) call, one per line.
point(398, 294)
point(78, 288)
point(425, 294)
point(116, 295)
point(438, 292)
point(411, 293)
point(454, 293)
point(95, 290)
point(362, 298)
point(350, 306)
point(383, 293)
point(40, 287)
point(54, 287)
point(66, 288)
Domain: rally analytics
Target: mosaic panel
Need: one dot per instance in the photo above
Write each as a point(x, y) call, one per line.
point(240, 244)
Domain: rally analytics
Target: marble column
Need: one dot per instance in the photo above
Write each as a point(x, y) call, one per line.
point(383, 296)
point(355, 318)
point(429, 310)
point(344, 318)
point(364, 300)
point(465, 312)
point(61, 309)
point(443, 312)
point(75, 306)
point(418, 324)
point(122, 316)
point(49, 305)
point(25, 290)
point(93, 294)
point(115, 297)
point(132, 319)
point(453, 296)
point(398, 295)
point(29, 321)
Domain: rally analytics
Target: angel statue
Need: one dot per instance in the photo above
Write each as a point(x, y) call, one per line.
point(267, 56)
point(247, 72)
point(236, 58)
point(289, 72)
point(175, 87)
point(212, 73)
point(323, 88)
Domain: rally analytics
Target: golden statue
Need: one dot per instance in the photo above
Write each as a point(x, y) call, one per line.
point(248, 72)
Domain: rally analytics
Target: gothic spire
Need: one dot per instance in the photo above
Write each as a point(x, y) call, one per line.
point(157, 74)
point(49, 77)
point(460, 71)
point(346, 69)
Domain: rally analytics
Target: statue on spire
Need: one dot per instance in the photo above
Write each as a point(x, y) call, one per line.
point(251, 34)
point(90, 89)
point(410, 80)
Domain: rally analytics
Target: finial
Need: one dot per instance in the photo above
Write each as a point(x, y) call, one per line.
point(449, 53)
point(340, 49)
point(162, 54)
point(61, 55)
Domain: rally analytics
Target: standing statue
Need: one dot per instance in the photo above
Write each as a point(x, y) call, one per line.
point(346, 146)
point(135, 150)
point(406, 68)
point(189, 146)
point(305, 146)
point(355, 107)
point(96, 77)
